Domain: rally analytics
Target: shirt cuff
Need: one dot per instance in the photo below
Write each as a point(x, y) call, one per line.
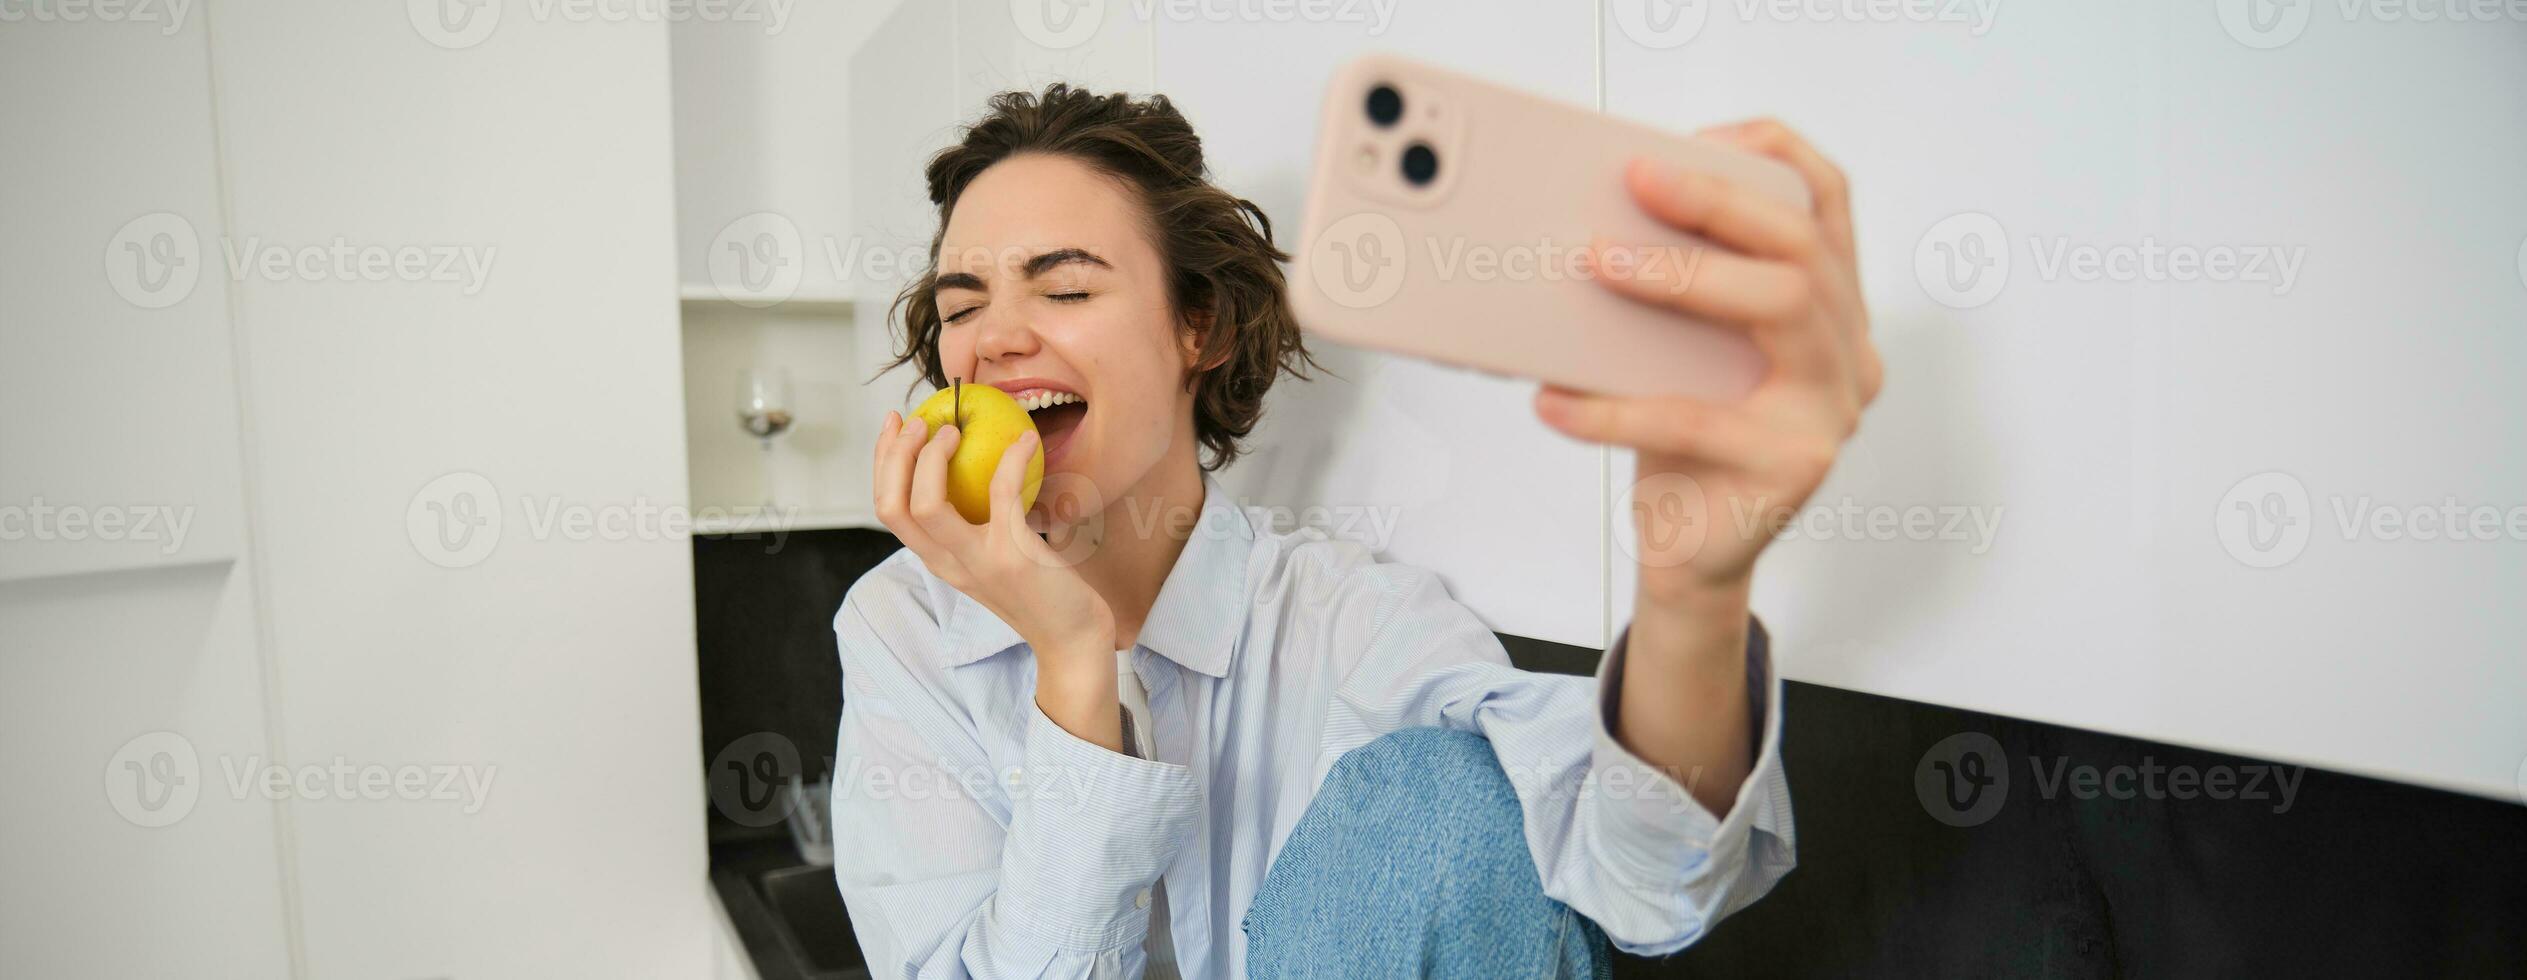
point(1655, 828)
point(1089, 831)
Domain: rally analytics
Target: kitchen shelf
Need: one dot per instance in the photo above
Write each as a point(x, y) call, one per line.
point(754, 520)
point(694, 294)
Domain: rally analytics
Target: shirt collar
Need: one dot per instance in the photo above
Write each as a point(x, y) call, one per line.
point(1200, 609)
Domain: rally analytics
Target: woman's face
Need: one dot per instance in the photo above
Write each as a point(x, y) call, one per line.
point(1049, 285)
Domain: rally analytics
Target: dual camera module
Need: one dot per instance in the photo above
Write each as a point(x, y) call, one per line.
point(1420, 162)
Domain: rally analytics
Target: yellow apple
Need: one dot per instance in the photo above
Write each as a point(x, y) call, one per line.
point(993, 421)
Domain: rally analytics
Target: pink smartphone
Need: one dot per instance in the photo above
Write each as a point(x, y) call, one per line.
point(1445, 219)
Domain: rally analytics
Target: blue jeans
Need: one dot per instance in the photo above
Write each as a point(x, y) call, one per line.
point(1413, 861)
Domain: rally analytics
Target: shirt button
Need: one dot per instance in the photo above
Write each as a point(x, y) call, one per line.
point(1011, 776)
point(1141, 901)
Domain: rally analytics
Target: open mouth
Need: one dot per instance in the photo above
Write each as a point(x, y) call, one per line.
point(1057, 415)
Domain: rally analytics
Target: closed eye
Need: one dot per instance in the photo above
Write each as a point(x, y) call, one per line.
point(1066, 297)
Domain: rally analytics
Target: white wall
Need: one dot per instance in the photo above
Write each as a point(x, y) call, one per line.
point(117, 392)
point(566, 663)
point(2096, 427)
point(334, 628)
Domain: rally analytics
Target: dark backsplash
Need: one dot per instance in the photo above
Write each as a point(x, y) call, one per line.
point(2358, 877)
point(763, 619)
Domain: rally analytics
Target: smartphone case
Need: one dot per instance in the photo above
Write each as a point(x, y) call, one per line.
point(1480, 266)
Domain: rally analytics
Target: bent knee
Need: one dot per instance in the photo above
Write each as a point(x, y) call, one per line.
point(1424, 777)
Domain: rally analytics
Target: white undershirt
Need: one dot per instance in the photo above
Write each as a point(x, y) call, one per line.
point(1160, 946)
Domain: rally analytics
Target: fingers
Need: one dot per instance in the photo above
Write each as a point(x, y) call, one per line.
point(930, 506)
point(1825, 180)
point(1681, 427)
point(1008, 482)
point(1745, 293)
point(1723, 211)
point(897, 442)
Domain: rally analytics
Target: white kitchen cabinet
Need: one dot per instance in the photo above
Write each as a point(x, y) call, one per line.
point(2071, 439)
point(390, 463)
point(129, 666)
point(118, 428)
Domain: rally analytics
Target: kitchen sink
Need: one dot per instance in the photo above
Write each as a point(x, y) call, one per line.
point(809, 912)
point(785, 911)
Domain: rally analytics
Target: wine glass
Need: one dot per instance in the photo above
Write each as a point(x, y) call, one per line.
point(763, 409)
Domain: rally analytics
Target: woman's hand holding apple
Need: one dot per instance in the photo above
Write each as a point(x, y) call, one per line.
point(1006, 567)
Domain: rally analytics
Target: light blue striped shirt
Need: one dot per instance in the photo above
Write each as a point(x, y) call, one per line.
point(975, 837)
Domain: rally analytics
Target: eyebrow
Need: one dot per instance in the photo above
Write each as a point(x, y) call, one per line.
point(1034, 267)
point(1062, 256)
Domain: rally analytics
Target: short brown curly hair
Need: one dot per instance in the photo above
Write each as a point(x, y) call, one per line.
point(1223, 273)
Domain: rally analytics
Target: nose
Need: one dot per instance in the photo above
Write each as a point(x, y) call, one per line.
point(1003, 335)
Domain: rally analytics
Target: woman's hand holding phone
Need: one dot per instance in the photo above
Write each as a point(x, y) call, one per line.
point(1788, 280)
point(1006, 567)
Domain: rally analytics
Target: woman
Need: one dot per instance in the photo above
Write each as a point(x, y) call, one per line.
point(1184, 743)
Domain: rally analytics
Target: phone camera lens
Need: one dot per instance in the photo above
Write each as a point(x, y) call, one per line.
point(1386, 105)
point(1421, 164)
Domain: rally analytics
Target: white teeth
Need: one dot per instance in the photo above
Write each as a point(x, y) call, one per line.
point(1047, 399)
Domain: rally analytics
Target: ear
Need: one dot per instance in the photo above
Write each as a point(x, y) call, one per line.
point(1189, 341)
